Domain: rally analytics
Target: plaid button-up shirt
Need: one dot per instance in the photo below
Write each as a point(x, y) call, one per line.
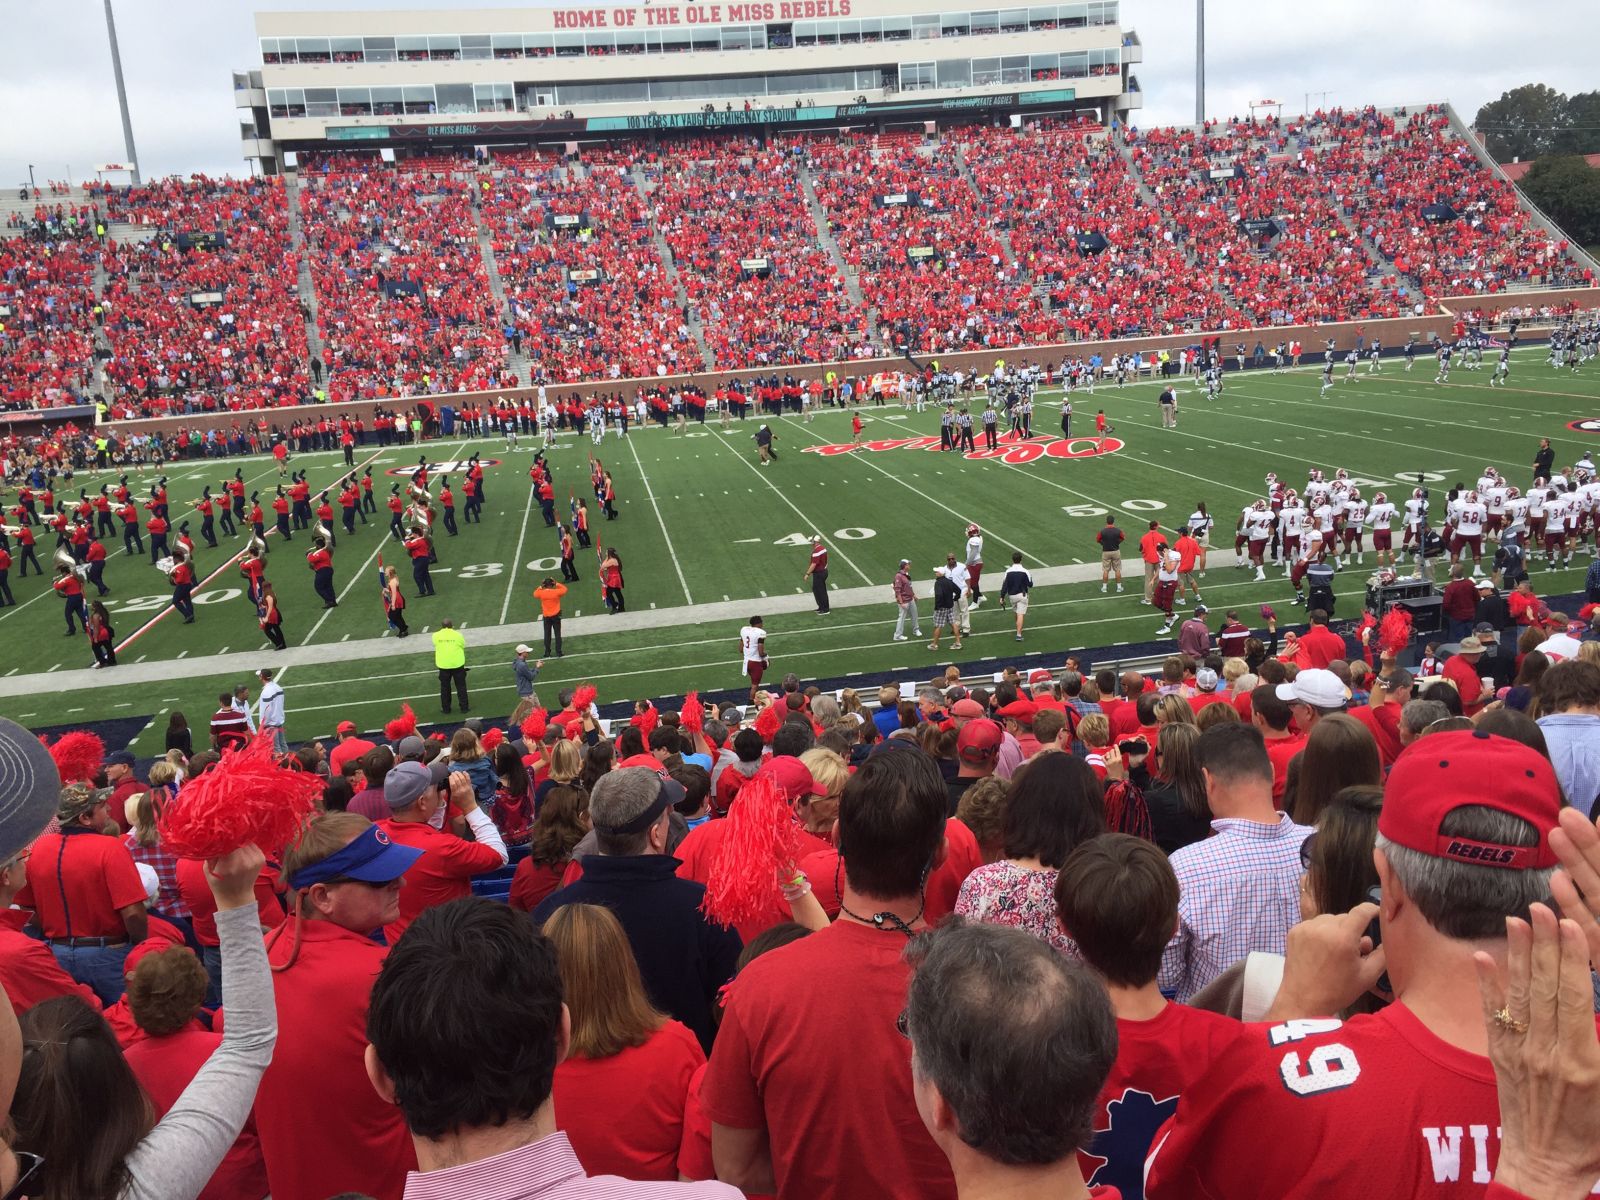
point(1240, 891)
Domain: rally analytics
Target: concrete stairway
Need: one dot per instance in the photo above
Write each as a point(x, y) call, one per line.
point(697, 329)
point(517, 361)
point(302, 257)
point(825, 239)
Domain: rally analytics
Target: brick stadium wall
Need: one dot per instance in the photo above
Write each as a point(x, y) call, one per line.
point(1391, 332)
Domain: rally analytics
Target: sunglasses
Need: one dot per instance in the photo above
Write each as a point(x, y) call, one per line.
point(1308, 852)
point(30, 1171)
point(900, 1024)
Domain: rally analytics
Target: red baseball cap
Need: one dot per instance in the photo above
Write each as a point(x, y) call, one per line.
point(967, 709)
point(345, 727)
point(1039, 675)
point(1019, 710)
point(1446, 771)
point(791, 775)
point(978, 741)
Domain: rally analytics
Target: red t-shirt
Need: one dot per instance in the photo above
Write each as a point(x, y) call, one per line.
point(346, 750)
point(443, 873)
point(165, 1066)
point(697, 852)
point(1383, 723)
point(962, 856)
point(1280, 751)
point(1319, 646)
point(77, 882)
point(532, 882)
point(650, 1083)
point(833, 1091)
point(1157, 1061)
point(1299, 1110)
point(196, 893)
point(30, 973)
point(359, 1143)
point(1468, 686)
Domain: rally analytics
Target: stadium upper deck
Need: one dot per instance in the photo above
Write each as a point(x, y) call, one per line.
point(486, 77)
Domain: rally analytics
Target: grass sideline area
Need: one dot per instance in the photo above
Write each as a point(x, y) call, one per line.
point(709, 537)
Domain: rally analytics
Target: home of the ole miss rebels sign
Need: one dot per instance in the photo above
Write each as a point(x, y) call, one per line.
point(1013, 451)
point(659, 15)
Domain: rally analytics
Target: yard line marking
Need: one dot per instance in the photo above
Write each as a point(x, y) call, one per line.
point(57, 667)
point(660, 520)
point(183, 654)
point(361, 574)
point(511, 576)
point(140, 659)
point(809, 524)
point(14, 670)
point(919, 492)
point(224, 650)
point(228, 562)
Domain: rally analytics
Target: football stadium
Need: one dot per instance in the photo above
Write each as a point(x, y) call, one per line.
point(770, 479)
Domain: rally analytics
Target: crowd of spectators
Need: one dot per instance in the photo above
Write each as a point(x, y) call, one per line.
point(213, 327)
point(931, 265)
point(983, 237)
point(589, 293)
point(47, 334)
point(1051, 186)
point(722, 206)
point(403, 300)
point(1073, 922)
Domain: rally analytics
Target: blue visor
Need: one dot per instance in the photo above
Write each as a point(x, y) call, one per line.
point(371, 858)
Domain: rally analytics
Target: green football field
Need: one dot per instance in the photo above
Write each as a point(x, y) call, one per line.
point(708, 537)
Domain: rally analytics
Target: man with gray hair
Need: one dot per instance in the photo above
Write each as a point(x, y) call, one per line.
point(1011, 1043)
point(1416, 716)
point(684, 958)
point(1463, 843)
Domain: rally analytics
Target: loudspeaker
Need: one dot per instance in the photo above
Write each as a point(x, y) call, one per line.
point(1427, 613)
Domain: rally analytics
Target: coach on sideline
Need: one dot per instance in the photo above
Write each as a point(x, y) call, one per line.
point(450, 657)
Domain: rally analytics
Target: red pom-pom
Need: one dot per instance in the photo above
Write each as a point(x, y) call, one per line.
point(762, 839)
point(492, 738)
point(246, 799)
point(1394, 631)
point(692, 717)
point(78, 756)
point(402, 726)
point(646, 721)
point(584, 696)
point(534, 725)
point(768, 723)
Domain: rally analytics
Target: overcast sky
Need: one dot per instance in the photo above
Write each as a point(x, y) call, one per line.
point(58, 101)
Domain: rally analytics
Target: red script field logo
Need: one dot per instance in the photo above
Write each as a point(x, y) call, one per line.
point(1014, 451)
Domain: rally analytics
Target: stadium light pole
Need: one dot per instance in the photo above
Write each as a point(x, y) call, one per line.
point(1199, 63)
point(122, 94)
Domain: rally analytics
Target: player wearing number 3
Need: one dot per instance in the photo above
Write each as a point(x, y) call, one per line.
point(753, 652)
point(1402, 1100)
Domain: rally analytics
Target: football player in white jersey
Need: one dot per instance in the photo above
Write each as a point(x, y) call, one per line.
point(1471, 516)
point(1354, 517)
point(1291, 528)
point(1380, 518)
point(1555, 528)
point(1325, 520)
point(1538, 496)
point(1416, 513)
point(1488, 479)
point(1241, 535)
point(1258, 530)
point(753, 650)
point(1494, 499)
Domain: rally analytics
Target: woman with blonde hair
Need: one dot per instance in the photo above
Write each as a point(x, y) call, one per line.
point(566, 765)
point(624, 1056)
point(1174, 710)
point(818, 813)
point(849, 701)
point(144, 843)
point(467, 754)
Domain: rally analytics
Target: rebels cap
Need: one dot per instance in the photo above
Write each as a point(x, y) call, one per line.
point(1447, 771)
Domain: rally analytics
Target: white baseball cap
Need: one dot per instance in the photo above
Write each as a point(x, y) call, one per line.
point(1317, 687)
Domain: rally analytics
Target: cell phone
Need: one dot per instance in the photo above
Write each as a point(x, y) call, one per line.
point(1134, 746)
point(1375, 894)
